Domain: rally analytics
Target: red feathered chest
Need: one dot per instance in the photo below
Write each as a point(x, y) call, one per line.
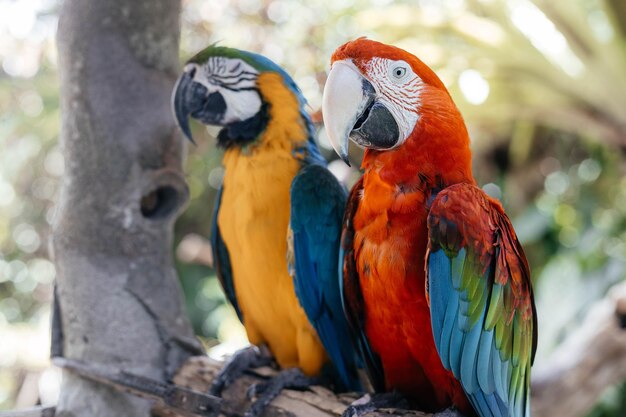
point(390, 240)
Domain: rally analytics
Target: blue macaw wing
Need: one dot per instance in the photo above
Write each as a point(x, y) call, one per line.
point(352, 296)
point(481, 301)
point(317, 205)
point(221, 259)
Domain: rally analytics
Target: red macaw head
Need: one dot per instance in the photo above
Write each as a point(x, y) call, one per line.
point(378, 95)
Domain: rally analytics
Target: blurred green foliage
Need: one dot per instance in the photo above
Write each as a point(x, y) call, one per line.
point(541, 84)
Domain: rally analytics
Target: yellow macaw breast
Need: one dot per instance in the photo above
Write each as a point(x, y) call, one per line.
point(253, 221)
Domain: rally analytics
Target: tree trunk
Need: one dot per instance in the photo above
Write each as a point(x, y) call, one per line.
point(118, 300)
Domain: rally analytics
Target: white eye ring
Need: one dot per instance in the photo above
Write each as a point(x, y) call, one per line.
point(399, 72)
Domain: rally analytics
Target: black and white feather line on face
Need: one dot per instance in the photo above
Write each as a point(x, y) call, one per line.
point(235, 81)
point(230, 74)
point(221, 91)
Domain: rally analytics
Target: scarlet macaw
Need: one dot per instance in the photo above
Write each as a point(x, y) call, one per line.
point(436, 285)
point(275, 179)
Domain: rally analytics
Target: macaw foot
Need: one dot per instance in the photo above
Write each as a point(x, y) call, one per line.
point(449, 412)
point(371, 402)
point(292, 378)
point(244, 359)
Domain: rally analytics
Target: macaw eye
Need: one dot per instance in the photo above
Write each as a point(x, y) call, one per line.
point(399, 72)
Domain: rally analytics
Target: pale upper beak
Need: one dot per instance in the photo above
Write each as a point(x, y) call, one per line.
point(347, 95)
point(352, 110)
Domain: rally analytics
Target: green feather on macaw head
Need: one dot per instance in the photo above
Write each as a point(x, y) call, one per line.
point(257, 61)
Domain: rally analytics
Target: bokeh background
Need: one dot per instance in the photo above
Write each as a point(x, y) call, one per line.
point(541, 84)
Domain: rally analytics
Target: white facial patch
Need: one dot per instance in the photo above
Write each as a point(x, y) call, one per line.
point(240, 105)
point(398, 88)
point(235, 80)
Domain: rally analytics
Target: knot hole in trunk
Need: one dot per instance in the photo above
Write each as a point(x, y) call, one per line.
point(165, 195)
point(159, 203)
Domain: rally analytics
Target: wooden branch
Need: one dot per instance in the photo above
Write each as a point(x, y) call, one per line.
point(198, 372)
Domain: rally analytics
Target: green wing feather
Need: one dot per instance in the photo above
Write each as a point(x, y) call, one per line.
point(481, 300)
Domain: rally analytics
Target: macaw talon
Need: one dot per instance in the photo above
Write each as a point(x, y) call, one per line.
point(372, 402)
point(243, 360)
point(449, 412)
point(291, 378)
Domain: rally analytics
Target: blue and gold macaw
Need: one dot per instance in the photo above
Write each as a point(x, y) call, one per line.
point(277, 194)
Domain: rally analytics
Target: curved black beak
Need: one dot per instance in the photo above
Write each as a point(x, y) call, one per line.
point(376, 128)
point(191, 98)
point(180, 103)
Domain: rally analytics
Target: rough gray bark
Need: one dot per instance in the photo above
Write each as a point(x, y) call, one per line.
point(118, 298)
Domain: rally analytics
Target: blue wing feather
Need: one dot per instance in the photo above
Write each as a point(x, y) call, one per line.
point(482, 335)
point(317, 206)
point(469, 356)
point(221, 259)
point(486, 378)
